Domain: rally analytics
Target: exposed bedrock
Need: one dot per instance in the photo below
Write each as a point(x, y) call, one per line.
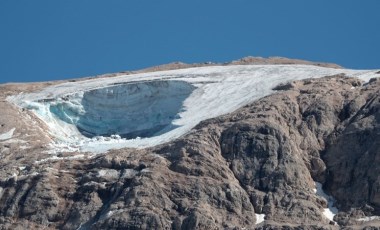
point(260, 159)
point(137, 109)
point(353, 155)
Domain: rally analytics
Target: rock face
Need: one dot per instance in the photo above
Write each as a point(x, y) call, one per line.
point(261, 159)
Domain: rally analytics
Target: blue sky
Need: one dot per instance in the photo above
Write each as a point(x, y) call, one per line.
point(46, 40)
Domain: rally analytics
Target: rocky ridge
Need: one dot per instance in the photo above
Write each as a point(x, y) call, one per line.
point(261, 159)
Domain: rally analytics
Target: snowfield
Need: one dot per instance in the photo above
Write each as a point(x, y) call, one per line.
point(147, 109)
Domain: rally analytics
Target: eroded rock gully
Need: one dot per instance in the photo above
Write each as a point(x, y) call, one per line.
point(261, 159)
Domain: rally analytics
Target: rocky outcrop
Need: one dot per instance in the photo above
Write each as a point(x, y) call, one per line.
point(261, 159)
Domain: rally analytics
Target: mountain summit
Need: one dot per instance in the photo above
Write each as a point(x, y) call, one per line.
point(253, 144)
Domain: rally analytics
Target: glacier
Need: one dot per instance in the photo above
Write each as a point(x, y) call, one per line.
point(128, 110)
point(146, 109)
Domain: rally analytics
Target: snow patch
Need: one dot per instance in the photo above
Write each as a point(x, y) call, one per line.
point(146, 170)
point(147, 109)
point(108, 173)
point(55, 158)
point(109, 214)
point(369, 218)
point(7, 135)
point(23, 147)
point(15, 140)
point(129, 173)
point(260, 218)
point(330, 211)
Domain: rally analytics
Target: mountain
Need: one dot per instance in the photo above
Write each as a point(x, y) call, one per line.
point(253, 144)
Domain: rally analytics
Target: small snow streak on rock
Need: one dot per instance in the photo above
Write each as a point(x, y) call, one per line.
point(369, 218)
point(260, 218)
point(7, 135)
point(330, 211)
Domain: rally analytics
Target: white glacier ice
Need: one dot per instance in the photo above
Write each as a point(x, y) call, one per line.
point(146, 109)
point(128, 110)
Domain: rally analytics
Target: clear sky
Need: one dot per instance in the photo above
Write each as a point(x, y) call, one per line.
point(46, 40)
